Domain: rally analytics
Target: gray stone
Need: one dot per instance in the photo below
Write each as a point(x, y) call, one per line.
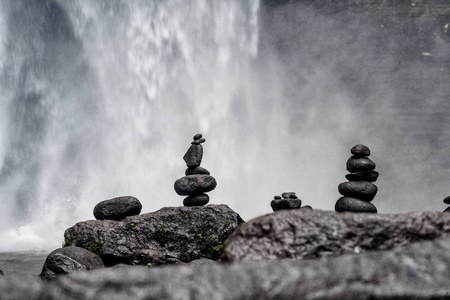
point(69, 259)
point(360, 151)
point(302, 234)
point(117, 208)
point(306, 207)
point(203, 261)
point(447, 200)
point(360, 164)
point(278, 204)
point(370, 176)
point(196, 200)
point(289, 195)
point(197, 142)
point(197, 170)
point(193, 156)
point(277, 197)
point(363, 190)
point(350, 204)
point(197, 136)
point(1, 272)
point(194, 185)
point(181, 233)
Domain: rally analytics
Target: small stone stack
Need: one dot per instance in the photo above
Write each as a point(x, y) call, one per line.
point(359, 191)
point(288, 200)
point(447, 201)
point(197, 181)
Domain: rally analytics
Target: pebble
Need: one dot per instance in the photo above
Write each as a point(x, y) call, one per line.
point(363, 190)
point(355, 164)
point(289, 195)
point(370, 176)
point(360, 151)
point(447, 200)
point(117, 208)
point(278, 204)
point(354, 205)
point(196, 200)
point(194, 185)
point(197, 170)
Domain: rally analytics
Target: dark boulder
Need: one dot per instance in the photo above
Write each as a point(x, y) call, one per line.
point(194, 185)
point(300, 234)
point(196, 200)
point(354, 205)
point(447, 200)
point(360, 151)
point(363, 190)
point(197, 170)
point(117, 208)
point(193, 156)
point(181, 233)
point(370, 176)
point(355, 164)
point(278, 204)
point(69, 259)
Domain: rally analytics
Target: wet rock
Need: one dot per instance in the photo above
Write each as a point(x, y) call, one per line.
point(278, 204)
point(179, 233)
point(370, 176)
point(69, 259)
point(197, 170)
point(362, 190)
point(196, 200)
point(194, 184)
point(360, 151)
point(301, 234)
point(117, 208)
point(193, 156)
point(354, 205)
point(360, 164)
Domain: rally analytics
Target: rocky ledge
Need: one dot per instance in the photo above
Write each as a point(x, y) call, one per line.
point(169, 235)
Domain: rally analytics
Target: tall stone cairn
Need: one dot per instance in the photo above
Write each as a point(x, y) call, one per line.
point(359, 191)
point(197, 181)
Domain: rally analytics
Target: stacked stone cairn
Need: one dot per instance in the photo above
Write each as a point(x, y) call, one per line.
point(288, 200)
point(197, 181)
point(359, 191)
point(447, 201)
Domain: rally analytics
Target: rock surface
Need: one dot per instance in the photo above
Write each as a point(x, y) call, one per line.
point(301, 234)
point(417, 271)
point(69, 259)
point(181, 233)
point(117, 208)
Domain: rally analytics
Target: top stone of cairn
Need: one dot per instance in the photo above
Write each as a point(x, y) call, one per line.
point(360, 151)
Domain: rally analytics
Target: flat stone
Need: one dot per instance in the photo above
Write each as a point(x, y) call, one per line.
point(278, 204)
point(196, 200)
point(194, 185)
point(197, 136)
point(277, 197)
point(363, 190)
point(117, 208)
point(447, 200)
point(289, 195)
point(193, 156)
point(355, 164)
point(306, 207)
point(197, 142)
point(360, 151)
point(197, 170)
point(69, 259)
point(354, 205)
point(370, 176)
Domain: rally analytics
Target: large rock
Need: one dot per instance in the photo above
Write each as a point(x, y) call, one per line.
point(69, 259)
point(300, 234)
point(194, 185)
point(181, 233)
point(419, 271)
point(117, 208)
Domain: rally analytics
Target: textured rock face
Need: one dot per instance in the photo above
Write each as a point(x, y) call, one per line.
point(417, 271)
point(117, 208)
point(179, 233)
point(69, 259)
point(300, 234)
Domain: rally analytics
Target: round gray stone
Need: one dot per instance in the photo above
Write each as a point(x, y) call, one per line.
point(196, 200)
point(360, 151)
point(117, 208)
point(289, 195)
point(370, 176)
point(194, 185)
point(363, 190)
point(354, 205)
point(355, 164)
point(197, 170)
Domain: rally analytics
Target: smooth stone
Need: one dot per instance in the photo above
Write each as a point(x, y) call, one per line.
point(360, 151)
point(363, 190)
point(196, 142)
point(289, 195)
point(197, 170)
point(285, 204)
point(447, 200)
point(193, 156)
point(447, 210)
point(370, 176)
point(117, 208)
point(277, 197)
point(197, 136)
point(354, 205)
point(196, 200)
point(194, 185)
point(307, 207)
point(355, 164)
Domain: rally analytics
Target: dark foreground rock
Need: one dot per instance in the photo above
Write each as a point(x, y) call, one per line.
point(69, 259)
point(300, 234)
point(417, 271)
point(117, 208)
point(174, 233)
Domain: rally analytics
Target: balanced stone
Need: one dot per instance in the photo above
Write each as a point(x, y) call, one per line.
point(117, 208)
point(306, 207)
point(363, 190)
point(197, 142)
point(360, 151)
point(194, 185)
point(370, 176)
point(197, 136)
point(447, 200)
point(355, 164)
point(277, 197)
point(197, 170)
point(354, 205)
point(289, 195)
point(196, 200)
point(278, 204)
point(193, 156)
